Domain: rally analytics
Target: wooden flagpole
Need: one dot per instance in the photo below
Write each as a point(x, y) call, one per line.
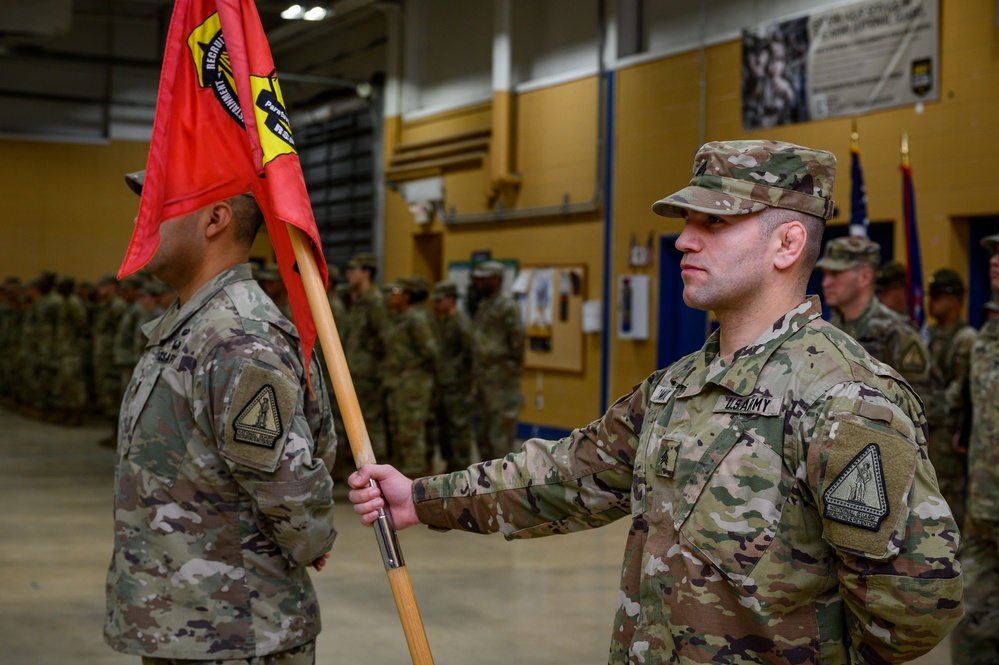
point(360, 445)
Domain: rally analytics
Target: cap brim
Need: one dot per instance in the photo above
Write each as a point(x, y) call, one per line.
point(834, 264)
point(990, 243)
point(707, 201)
point(135, 181)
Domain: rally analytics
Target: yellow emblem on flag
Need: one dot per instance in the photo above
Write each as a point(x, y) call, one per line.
point(211, 61)
point(272, 118)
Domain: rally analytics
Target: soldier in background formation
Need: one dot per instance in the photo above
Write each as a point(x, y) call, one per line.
point(849, 266)
point(58, 336)
point(976, 639)
point(411, 357)
point(891, 287)
point(455, 403)
point(944, 396)
point(499, 337)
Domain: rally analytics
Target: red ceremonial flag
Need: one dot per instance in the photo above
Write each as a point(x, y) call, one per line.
point(220, 130)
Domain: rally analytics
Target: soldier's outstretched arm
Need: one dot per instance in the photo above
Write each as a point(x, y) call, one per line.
point(394, 492)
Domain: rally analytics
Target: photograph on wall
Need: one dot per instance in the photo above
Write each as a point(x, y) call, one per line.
point(846, 61)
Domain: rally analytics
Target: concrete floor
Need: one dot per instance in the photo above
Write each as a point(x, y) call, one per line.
point(482, 600)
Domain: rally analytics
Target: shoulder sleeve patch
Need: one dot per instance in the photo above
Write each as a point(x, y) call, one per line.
point(913, 358)
point(260, 405)
point(869, 473)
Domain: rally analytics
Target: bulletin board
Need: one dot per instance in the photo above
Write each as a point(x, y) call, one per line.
point(551, 299)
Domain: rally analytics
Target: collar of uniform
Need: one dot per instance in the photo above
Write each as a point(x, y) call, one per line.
point(740, 373)
point(174, 318)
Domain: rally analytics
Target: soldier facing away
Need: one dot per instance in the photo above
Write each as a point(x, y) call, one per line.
point(222, 489)
point(736, 464)
point(976, 640)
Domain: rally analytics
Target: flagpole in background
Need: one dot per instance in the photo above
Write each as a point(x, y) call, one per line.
point(914, 266)
point(859, 221)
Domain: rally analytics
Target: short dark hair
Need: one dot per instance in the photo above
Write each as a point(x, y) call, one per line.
point(248, 217)
point(814, 229)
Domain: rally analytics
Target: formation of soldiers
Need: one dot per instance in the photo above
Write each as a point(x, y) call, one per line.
point(69, 347)
point(428, 376)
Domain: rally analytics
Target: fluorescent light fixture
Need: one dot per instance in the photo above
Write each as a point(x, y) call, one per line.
point(316, 14)
point(298, 12)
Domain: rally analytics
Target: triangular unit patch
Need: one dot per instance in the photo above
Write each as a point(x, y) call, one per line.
point(259, 422)
point(858, 496)
point(913, 359)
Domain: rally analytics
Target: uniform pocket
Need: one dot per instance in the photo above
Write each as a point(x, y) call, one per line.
point(157, 441)
point(734, 495)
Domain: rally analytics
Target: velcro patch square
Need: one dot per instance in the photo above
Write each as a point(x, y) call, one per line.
point(261, 404)
point(869, 472)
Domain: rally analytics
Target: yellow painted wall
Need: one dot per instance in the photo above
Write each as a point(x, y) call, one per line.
point(66, 207)
point(658, 126)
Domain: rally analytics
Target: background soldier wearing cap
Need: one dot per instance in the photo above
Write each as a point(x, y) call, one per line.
point(849, 266)
point(455, 402)
point(976, 639)
point(498, 358)
point(944, 395)
point(72, 346)
point(743, 466)
point(411, 355)
point(223, 495)
point(270, 281)
point(109, 309)
point(891, 287)
point(364, 347)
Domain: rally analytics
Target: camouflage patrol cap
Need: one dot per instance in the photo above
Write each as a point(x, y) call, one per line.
point(892, 274)
point(420, 285)
point(849, 252)
point(363, 260)
point(132, 282)
point(445, 290)
point(946, 281)
point(395, 286)
point(993, 304)
point(743, 177)
point(135, 180)
point(991, 243)
point(487, 269)
point(334, 272)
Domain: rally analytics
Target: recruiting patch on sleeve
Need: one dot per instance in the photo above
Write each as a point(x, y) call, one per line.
point(256, 424)
point(871, 471)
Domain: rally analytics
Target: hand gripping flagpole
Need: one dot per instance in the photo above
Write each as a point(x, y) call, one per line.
point(360, 445)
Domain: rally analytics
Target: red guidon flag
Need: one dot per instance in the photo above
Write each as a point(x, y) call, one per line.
point(220, 130)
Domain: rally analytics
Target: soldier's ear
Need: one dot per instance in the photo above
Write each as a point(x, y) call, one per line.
point(219, 218)
point(791, 238)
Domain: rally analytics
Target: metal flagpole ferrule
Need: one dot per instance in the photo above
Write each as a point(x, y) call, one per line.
point(388, 541)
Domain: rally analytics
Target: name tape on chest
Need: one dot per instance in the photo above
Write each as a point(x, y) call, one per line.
point(754, 404)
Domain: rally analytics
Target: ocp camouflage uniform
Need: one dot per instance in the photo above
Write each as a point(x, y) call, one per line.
point(222, 488)
point(411, 355)
point(456, 404)
point(783, 506)
point(43, 360)
point(891, 338)
point(976, 639)
point(950, 353)
point(364, 348)
point(72, 346)
point(498, 355)
point(107, 376)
